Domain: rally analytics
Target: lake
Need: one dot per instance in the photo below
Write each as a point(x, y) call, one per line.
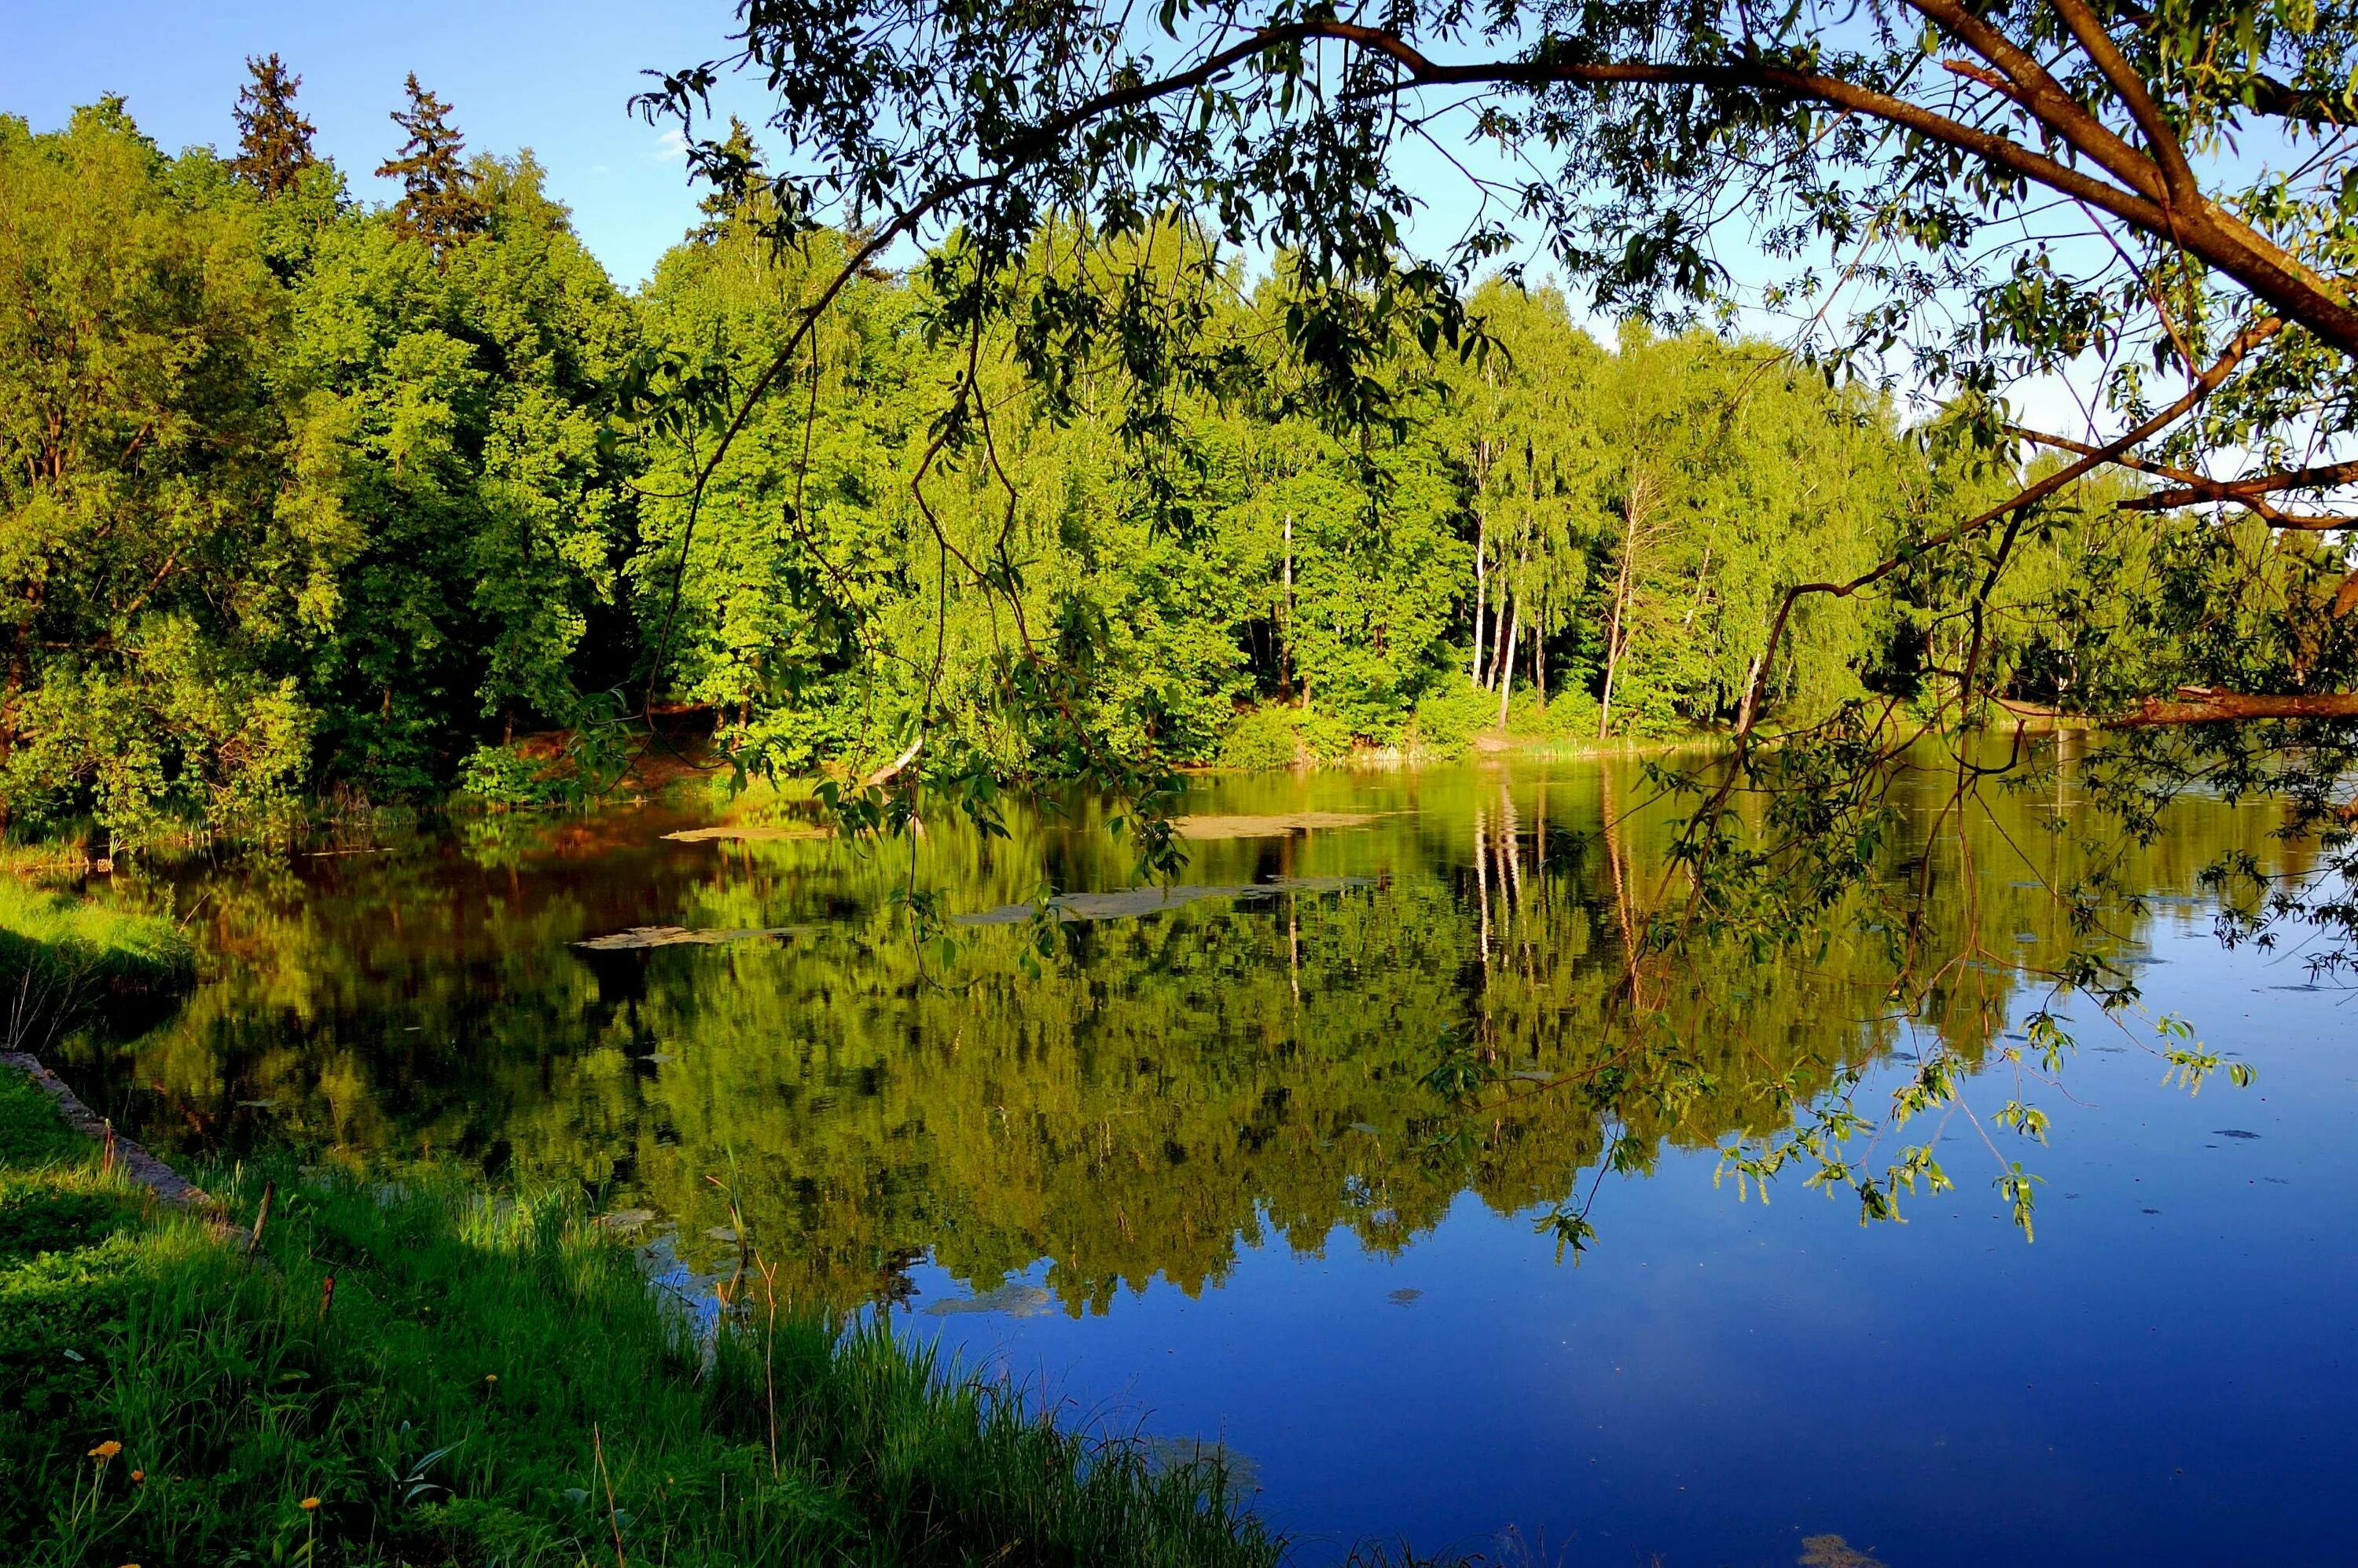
point(1265, 1158)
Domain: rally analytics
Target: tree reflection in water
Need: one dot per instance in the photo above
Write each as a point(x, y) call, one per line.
point(1466, 1004)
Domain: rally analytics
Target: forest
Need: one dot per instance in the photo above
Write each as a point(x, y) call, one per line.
point(304, 498)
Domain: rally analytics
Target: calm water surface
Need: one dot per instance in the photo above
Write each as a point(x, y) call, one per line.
point(1191, 1180)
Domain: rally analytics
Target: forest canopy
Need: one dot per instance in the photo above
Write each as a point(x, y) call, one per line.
point(302, 496)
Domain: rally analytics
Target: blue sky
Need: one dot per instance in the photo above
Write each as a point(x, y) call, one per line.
point(553, 77)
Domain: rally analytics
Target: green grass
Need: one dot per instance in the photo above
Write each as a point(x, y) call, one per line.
point(494, 1382)
point(66, 962)
point(146, 946)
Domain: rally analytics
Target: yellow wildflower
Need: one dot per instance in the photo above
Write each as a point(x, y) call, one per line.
point(106, 1450)
point(309, 1504)
point(139, 1475)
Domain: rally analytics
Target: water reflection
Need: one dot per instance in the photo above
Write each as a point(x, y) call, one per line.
point(1370, 996)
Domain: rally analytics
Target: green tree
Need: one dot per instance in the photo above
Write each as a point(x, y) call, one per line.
point(274, 139)
point(2151, 196)
point(469, 403)
point(169, 541)
point(440, 206)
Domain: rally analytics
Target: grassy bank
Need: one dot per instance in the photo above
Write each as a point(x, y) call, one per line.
point(66, 962)
point(433, 1375)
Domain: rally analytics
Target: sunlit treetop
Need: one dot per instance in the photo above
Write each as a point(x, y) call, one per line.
point(1992, 192)
point(439, 204)
point(274, 139)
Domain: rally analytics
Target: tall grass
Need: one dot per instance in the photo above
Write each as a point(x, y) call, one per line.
point(488, 1379)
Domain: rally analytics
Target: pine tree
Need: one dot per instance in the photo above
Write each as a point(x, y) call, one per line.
point(739, 185)
point(439, 204)
point(273, 142)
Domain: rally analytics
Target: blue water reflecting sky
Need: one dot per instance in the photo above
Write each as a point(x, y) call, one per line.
point(2165, 1376)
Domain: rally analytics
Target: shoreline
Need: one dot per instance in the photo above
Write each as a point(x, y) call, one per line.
point(406, 1366)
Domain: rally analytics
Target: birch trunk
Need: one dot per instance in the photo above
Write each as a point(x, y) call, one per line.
point(1617, 634)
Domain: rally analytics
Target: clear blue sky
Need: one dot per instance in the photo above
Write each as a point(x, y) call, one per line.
point(550, 76)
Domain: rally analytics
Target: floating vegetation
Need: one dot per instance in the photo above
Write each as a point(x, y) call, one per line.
point(1283, 825)
point(639, 936)
point(750, 833)
point(1015, 1299)
point(1239, 1473)
point(1130, 902)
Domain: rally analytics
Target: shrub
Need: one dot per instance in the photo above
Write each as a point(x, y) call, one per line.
point(1447, 720)
point(1330, 736)
point(1264, 738)
point(504, 776)
point(1570, 716)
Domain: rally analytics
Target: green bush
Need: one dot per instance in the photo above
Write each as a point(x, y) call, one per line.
point(1264, 738)
point(503, 776)
point(1447, 720)
point(1330, 736)
point(1570, 716)
point(1527, 712)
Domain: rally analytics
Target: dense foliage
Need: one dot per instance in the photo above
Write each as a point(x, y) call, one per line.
point(301, 496)
point(288, 501)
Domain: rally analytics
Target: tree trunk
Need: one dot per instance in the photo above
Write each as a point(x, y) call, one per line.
point(1507, 663)
point(1751, 684)
point(1617, 632)
point(1481, 589)
point(1491, 654)
point(2202, 705)
point(1285, 620)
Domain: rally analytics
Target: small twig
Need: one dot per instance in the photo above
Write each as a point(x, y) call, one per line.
point(613, 1518)
point(261, 1218)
